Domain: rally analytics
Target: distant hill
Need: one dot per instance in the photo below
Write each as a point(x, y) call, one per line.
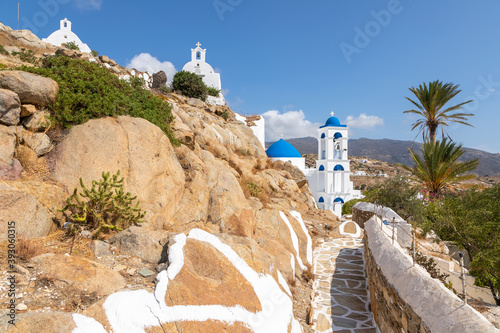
point(396, 151)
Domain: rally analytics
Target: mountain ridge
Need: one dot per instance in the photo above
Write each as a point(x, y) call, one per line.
point(396, 151)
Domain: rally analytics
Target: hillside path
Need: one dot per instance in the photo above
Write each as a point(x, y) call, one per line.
point(341, 301)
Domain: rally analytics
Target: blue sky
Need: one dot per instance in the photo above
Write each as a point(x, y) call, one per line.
point(295, 61)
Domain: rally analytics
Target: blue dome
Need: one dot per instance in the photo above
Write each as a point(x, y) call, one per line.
point(282, 148)
point(333, 122)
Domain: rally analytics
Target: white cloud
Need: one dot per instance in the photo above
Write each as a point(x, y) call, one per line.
point(88, 4)
point(292, 124)
point(145, 62)
point(364, 121)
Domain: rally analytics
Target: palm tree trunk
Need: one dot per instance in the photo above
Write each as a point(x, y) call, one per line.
point(432, 134)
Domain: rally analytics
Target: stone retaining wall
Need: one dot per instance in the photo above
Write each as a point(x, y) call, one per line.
point(404, 298)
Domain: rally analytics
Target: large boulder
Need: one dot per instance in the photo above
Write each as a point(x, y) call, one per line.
point(28, 38)
point(78, 273)
point(7, 145)
point(149, 245)
point(32, 205)
point(159, 80)
point(139, 149)
point(31, 88)
point(10, 107)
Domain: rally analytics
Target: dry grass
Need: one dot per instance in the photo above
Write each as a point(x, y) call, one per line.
point(28, 248)
point(216, 148)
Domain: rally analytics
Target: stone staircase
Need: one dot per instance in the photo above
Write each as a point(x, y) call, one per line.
point(341, 301)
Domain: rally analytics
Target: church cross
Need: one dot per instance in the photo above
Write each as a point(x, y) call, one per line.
point(332, 113)
point(198, 44)
point(281, 135)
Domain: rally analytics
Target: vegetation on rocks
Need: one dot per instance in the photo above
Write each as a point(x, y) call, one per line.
point(104, 207)
point(189, 84)
point(3, 50)
point(88, 91)
point(72, 46)
point(212, 91)
point(26, 56)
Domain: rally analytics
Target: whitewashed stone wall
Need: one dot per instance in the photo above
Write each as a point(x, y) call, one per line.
point(404, 298)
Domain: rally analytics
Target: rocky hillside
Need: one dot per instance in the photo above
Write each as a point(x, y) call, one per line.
point(227, 241)
point(396, 151)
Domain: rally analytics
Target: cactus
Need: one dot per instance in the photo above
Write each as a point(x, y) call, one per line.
point(103, 207)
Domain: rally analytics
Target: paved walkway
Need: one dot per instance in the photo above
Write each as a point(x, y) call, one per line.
point(341, 302)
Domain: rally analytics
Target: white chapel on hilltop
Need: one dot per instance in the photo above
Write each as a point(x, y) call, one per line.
point(201, 68)
point(330, 181)
point(65, 35)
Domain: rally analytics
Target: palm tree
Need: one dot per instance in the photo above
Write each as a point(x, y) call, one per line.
point(431, 99)
point(439, 166)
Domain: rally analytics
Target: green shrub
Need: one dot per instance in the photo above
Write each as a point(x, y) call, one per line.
point(347, 207)
point(253, 189)
point(72, 46)
point(212, 91)
point(225, 115)
point(94, 53)
point(3, 50)
point(88, 91)
point(397, 194)
point(106, 206)
point(26, 56)
point(189, 84)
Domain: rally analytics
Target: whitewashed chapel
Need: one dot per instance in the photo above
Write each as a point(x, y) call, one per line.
point(330, 181)
point(200, 67)
point(65, 35)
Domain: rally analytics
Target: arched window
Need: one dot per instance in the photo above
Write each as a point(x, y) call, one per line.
point(323, 135)
point(198, 55)
point(338, 167)
point(321, 168)
point(321, 199)
point(339, 200)
point(337, 135)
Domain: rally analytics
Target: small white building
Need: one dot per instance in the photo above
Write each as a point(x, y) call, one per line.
point(200, 67)
point(286, 152)
point(65, 35)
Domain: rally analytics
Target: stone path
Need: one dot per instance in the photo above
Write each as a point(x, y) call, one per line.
point(341, 302)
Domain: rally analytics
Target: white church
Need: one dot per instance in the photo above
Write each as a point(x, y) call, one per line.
point(200, 67)
point(65, 35)
point(330, 181)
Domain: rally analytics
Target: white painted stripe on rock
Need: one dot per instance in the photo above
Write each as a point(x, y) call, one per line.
point(86, 324)
point(133, 311)
point(295, 240)
point(283, 283)
point(298, 217)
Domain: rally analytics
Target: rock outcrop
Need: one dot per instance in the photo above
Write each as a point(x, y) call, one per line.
point(31, 88)
point(139, 149)
point(159, 80)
